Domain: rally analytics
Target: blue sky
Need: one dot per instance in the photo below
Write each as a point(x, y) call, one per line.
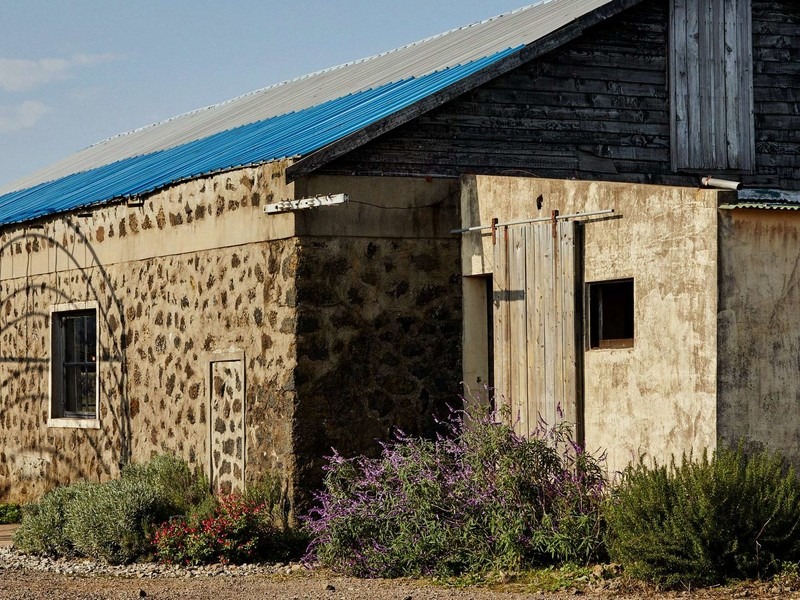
point(74, 73)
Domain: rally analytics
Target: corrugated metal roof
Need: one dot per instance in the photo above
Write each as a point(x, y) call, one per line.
point(289, 119)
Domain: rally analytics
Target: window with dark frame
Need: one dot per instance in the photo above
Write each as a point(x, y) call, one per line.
point(74, 372)
point(611, 314)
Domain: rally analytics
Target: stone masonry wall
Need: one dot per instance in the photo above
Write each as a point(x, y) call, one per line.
point(195, 275)
point(379, 343)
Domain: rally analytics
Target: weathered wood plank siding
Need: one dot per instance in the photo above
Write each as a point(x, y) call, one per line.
point(711, 77)
point(596, 108)
point(776, 92)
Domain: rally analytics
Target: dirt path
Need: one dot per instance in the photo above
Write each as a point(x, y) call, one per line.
point(33, 585)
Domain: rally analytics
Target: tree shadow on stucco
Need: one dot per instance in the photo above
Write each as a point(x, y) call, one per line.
point(29, 363)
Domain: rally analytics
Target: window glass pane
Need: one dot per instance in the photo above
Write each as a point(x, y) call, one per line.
point(69, 339)
point(91, 338)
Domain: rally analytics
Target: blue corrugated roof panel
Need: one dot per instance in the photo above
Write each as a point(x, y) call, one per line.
point(293, 134)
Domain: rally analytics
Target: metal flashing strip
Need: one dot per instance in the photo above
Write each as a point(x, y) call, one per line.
point(767, 195)
point(765, 199)
point(303, 203)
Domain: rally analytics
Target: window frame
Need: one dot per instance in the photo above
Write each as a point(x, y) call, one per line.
point(609, 343)
point(57, 416)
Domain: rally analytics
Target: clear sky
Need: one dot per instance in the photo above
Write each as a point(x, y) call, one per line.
point(75, 72)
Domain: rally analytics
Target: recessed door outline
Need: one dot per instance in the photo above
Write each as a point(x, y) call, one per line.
point(227, 434)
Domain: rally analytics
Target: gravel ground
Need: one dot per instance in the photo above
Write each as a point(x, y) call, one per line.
point(32, 578)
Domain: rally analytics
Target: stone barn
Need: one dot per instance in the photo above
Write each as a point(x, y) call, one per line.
point(199, 287)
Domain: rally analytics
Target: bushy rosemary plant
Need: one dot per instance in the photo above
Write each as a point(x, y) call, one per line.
point(110, 521)
point(699, 522)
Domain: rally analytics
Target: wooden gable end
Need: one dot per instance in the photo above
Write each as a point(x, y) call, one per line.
point(598, 108)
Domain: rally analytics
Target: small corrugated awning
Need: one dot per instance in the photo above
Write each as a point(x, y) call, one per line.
point(766, 199)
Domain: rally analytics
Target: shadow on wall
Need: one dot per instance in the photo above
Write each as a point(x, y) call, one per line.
point(34, 457)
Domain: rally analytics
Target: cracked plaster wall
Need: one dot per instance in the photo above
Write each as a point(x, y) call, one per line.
point(759, 331)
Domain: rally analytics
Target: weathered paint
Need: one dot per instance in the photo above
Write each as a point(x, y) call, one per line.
point(759, 329)
point(658, 398)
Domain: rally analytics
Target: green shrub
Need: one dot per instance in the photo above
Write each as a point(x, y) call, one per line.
point(10, 513)
point(702, 522)
point(173, 482)
point(43, 526)
point(111, 521)
point(480, 498)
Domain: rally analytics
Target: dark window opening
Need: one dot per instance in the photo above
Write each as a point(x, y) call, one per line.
point(611, 314)
point(75, 364)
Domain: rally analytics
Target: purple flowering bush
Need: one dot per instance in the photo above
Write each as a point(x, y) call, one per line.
point(476, 499)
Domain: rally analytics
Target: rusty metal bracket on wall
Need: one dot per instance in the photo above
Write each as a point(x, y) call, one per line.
point(554, 217)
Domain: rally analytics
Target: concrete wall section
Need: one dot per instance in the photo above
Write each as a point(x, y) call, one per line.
point(658, 397)
point(197, 272)
point(759, 330)
point(393, 207)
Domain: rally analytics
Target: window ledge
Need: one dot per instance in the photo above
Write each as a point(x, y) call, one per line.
point(74, 423)
point(611, 347)
point(615, 344)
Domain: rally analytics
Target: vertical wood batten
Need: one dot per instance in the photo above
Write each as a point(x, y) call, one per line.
point(734, 142)
point(501, 325)
point(532, 304)
point(719, 112)
point(569, 251)
point(704, 123)
point(545, 236)
point(747, 113)
point(538, 372)
point(692, 142)
point(518, 338)
point(679, 82)
point(712, 41)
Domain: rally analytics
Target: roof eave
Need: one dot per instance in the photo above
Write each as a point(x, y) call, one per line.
point(567, 33)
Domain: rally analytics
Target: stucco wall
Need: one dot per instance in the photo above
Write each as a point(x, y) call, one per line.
point(759, 329)
point(195, 274)
point(657, 398)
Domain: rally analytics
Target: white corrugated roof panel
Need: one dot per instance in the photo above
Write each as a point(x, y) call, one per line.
point(510, 30)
